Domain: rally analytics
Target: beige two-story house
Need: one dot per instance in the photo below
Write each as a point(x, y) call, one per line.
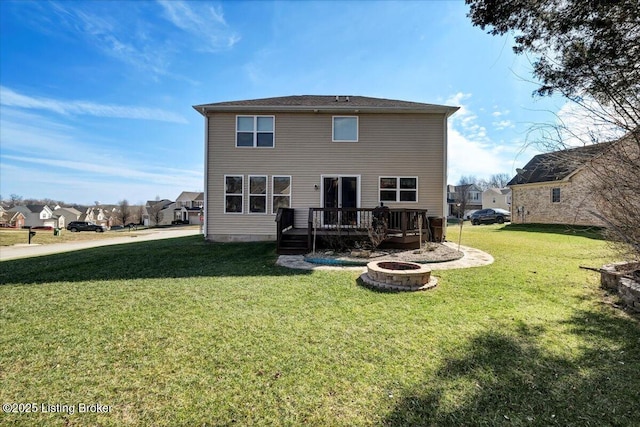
point(333, 152)
point(496, 198)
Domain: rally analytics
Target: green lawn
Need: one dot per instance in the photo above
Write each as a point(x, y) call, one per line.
point(182, 332)
point(12, 236)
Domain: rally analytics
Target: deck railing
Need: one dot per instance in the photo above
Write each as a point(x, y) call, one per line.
point(399, 222)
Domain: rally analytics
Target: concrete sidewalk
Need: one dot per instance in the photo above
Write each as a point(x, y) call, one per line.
point(27, 251)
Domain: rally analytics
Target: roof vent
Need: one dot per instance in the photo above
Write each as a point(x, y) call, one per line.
point(337, 98)
point(347, 98)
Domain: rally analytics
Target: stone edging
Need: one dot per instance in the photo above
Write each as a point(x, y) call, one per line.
point(472, 258)
point(628, 289)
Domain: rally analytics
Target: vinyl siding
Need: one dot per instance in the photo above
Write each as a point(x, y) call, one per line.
point(388, 145)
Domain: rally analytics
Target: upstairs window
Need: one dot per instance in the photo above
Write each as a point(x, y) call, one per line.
point(555, 195)
point(255, 131)
point(398, 189)
point(345, 129)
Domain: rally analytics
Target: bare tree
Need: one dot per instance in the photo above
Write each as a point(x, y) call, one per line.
point(124, 211)
point(499, 180)
point(140, 212)
point(14, 200)
point(461, 197)
point(155, 213)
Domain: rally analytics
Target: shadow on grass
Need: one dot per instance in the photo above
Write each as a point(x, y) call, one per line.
point(510, 380)
point(168, 258)
point(565, 230)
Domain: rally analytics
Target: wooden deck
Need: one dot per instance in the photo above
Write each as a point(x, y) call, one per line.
point(327, 227)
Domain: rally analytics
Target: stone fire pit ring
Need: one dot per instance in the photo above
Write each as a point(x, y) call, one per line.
point(398, 276)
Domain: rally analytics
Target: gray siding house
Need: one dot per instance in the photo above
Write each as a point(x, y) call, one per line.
point(302, 152)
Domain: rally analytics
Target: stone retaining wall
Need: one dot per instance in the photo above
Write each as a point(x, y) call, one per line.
point(612, 278)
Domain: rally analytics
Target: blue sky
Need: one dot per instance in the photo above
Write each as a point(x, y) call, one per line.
point(96, 97)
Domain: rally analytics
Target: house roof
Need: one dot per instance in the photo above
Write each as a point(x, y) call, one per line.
point(499, 191)
point(315, 103)
point(20, 208)
point(557, 165)
point(191, 195)
point(36, 208)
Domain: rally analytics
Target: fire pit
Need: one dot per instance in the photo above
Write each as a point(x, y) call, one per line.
point(398, 276)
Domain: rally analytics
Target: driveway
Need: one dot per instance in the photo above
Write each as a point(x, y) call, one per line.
point(26, 251)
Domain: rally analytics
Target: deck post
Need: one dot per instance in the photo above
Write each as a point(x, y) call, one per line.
point(310, 230)
point(403, 223)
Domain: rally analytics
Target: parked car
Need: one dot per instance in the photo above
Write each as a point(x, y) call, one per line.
point(490, 216)
point(117, 227)
point(178, 222)
point(84, 226)
point(470, 213)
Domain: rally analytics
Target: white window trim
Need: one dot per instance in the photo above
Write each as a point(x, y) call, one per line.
point(398, 189)
point(224, 200)
point(333, 130)
point(343, 175)
point(265, 195)
point(273, 191)
point(255, 131)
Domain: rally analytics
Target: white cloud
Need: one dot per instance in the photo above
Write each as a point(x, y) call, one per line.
point(586, 123)
point(500, 113)
point(471, 150)
point(203, 22)
point(10, 98)
point(132, 34)
point(37, 182)
point(114, 37)
point(108, 171)
point(503, 124)
point(40, 159)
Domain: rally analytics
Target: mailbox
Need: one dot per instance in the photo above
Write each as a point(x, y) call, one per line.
point(31, 234)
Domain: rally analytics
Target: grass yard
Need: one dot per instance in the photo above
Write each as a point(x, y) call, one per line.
point(183, 332)
point(10, 236)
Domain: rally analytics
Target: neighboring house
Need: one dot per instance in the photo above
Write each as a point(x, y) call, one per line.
point(189, 207)
point(158, 212)
point(66, 215)
point(496, 198)
point(11, 218)
point(333, 152)
point(97, 215)
point(36, 215)
point(15, 219)
point(470, 193)
point(555, 188)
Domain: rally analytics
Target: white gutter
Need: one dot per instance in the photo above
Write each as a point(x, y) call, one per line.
point(203, 109)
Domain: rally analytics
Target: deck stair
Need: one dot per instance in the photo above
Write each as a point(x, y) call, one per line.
point(293, 243)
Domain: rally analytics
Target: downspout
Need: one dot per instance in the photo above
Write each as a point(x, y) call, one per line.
point(445, 206)
point(206, 173)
